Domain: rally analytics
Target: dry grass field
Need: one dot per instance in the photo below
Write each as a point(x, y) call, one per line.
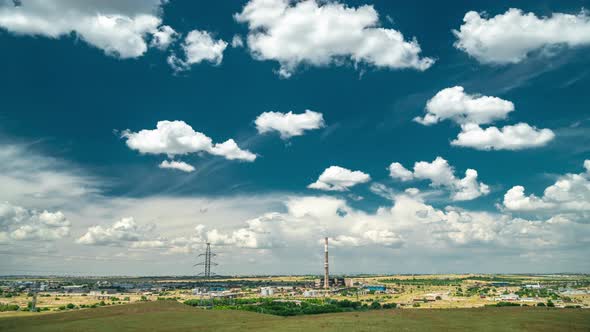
point(173, 316)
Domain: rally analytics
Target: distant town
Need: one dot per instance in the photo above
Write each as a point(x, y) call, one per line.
point(291, 295)
point(27, 293)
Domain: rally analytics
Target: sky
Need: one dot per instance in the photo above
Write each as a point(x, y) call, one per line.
point(420, 137)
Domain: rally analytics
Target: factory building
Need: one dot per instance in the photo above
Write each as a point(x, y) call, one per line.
point(332, 282)
point(349, 282)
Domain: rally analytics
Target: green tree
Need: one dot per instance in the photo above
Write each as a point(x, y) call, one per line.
point(375, 305)
point(389, 305)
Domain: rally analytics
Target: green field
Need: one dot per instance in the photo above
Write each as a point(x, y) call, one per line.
point(173, 316)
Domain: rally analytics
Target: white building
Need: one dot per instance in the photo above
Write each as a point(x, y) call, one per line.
point(267, 291)
point(311, 293)
point(533, 286)
point(199, 290)
point(508, 297)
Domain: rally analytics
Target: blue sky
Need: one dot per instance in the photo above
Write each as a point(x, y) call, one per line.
point(77, 93)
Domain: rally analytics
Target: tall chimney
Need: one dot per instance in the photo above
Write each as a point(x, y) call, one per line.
point(326, 271)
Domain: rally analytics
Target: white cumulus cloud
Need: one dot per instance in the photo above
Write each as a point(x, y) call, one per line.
point(321, 33)
point(121, 232)
point(289, 124)
point(178, 138)
point(453, 103)
point(570, 193)
point(441, 174)
point(306, 219)
point(230, 150)
point(237, 41)
point(335, 178)
point(409, 224)
point(512, 36)
point(398, 171)
point(471, 111)
point(163, 37)
point(119, 28)
point(512, 137)
point(179, 165)
point(198, 46)
point(20, 224)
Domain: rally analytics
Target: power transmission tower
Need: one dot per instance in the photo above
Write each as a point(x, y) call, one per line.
point(207, 262)
point(34, 290)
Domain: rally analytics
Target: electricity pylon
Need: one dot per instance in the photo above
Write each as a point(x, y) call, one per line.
point(207, 262)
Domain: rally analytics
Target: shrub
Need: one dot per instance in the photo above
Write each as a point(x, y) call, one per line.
point(8, 307)
point(389, 305)
point(550, 304)
point(416, 305)
point(375, 305)
point(540, 304)
point(70, 306)
point(507, 304)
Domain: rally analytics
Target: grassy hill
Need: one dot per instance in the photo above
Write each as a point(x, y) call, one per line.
point(173, 316)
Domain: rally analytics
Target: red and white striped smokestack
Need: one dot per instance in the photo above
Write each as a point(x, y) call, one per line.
point(326, 270)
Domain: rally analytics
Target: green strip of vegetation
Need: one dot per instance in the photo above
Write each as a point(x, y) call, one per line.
point(424, 282)
point(289, 308)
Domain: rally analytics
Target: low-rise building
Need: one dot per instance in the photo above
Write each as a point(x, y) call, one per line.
point(375, 288)
point(332, 282)
point(311, 293)
point(533, 286)
point(508, 297)
point(75, 289)
point(349, 282)
point(267, 291)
